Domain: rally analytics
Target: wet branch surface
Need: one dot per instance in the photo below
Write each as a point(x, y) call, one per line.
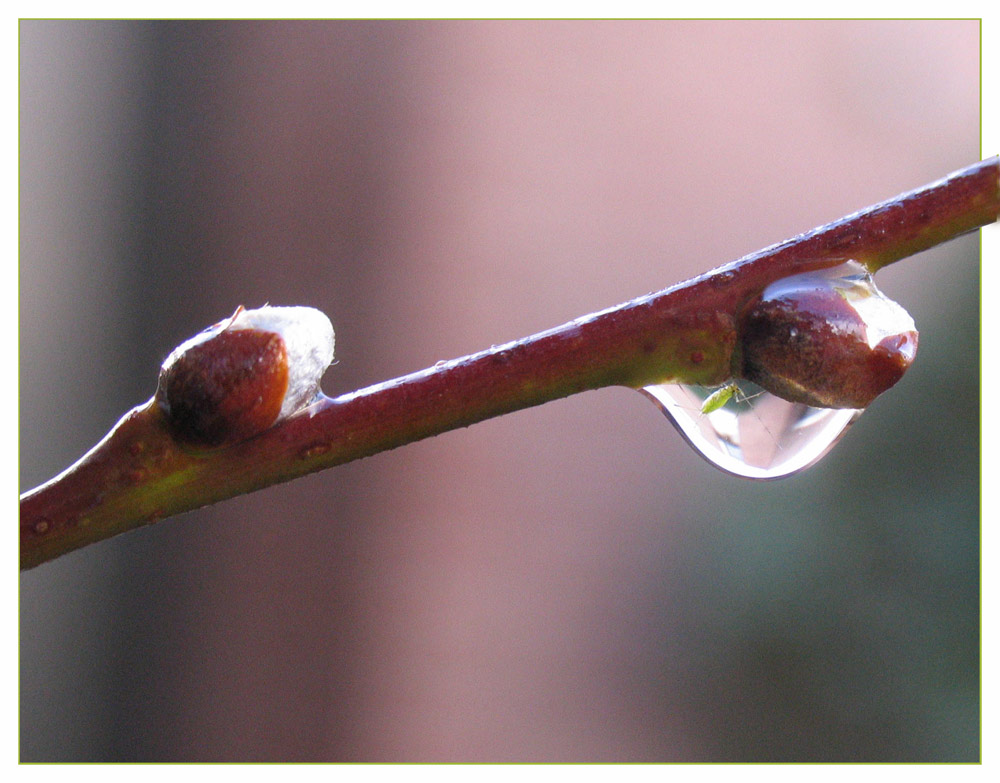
point(687, 333)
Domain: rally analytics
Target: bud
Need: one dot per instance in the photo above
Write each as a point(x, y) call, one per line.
point(242, 376)
point(829, 339)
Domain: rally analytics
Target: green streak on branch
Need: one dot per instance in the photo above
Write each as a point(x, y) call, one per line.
point(687, 333)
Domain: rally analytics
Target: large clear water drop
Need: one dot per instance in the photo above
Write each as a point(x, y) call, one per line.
point(756, 434)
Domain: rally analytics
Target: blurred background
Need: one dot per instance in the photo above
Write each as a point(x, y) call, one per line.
point(568, 583)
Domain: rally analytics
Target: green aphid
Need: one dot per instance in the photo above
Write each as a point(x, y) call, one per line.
point(721, 396)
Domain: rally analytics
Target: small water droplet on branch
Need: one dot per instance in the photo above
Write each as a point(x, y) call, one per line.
point(814, 351)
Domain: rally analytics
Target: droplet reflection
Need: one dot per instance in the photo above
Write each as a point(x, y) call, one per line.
point(756, 434)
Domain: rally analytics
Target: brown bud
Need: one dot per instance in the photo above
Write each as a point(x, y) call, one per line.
point(226, 388)
point(829, 339)
point(245, 374)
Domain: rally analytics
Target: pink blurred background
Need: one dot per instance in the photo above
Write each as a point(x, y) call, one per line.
point(568, 583)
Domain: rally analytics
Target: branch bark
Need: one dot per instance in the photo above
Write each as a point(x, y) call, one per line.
point(687, 333)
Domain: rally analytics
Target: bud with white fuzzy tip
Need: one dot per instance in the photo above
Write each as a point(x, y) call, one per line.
point(244, 375)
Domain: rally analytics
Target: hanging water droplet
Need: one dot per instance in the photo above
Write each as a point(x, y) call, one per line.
point(755, 434)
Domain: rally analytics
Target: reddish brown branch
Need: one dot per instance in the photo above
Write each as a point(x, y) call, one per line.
point(139, 474)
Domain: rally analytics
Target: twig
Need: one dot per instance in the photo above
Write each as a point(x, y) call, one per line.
point(687, 333)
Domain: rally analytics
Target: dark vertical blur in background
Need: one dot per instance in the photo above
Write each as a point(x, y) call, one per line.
point(569, 583)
